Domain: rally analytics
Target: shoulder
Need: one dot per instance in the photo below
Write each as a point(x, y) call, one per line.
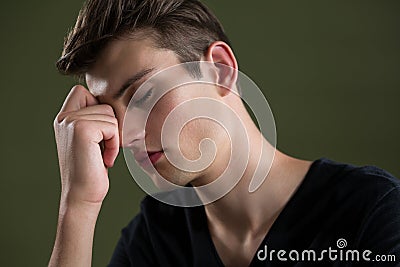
point(162, 233)
point(367, 182)
point(134, 245)
point(368, 193)
point(156, 215)
point(346, 195)
point(154, 211)
point(358, 203)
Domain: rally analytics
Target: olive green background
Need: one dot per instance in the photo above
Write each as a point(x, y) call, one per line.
point(330, 70)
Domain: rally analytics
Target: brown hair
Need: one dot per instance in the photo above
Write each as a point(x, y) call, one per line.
point(186, 27)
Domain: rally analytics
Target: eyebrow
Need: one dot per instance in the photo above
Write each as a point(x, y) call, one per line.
point(137, 77)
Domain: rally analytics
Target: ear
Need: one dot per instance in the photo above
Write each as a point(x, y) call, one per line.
point(225, 62)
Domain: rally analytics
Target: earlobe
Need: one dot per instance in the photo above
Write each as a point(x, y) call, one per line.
point(225, 62)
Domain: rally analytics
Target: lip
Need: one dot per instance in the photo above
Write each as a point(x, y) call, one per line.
point(154, 156)
point(146, 158)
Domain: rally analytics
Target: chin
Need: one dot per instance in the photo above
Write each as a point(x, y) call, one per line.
point(171, 175)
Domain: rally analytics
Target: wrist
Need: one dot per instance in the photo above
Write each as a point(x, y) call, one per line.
point(75, 232)
point(69, 205)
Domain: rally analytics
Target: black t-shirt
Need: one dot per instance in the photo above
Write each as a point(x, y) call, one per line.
point(337, 206)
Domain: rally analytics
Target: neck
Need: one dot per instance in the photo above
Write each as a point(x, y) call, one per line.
point(247, 214)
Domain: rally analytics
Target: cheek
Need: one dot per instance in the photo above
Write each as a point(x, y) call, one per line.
point(194, 132)
point(191, 133)
point(189, 139)
point(158, 115)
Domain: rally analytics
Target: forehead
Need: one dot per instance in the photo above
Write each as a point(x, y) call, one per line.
point(121, 59)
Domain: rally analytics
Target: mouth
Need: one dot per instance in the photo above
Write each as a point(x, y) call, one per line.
point(154, 156)
point(146, 158)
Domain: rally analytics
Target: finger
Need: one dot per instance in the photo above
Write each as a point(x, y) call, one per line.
point(97, 109)
point(107, 132)
point(91, 117)
point(111, 149)
point(79, 97)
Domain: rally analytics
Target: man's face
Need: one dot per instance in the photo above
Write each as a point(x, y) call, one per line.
point(119, 71)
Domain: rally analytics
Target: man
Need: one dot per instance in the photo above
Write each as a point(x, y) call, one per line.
point(301, 208)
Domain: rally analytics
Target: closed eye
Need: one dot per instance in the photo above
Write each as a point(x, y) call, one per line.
point(144, 98)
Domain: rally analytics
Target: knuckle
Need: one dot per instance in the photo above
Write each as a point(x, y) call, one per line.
point(79, 125)
point(108, 109)
point(69, 119)
point(59, 118)
point(56, 121)
point(114, 120)
point(81, 130)
point(64, 118)
point(77, 88)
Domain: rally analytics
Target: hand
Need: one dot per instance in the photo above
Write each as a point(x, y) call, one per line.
point(81, 127)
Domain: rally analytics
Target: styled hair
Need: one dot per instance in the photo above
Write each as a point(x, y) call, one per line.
point(186, 27)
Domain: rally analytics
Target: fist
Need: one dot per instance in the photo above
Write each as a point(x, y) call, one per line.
point(87, 144)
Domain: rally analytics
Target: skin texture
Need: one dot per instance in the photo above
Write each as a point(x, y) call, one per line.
point(237, 222)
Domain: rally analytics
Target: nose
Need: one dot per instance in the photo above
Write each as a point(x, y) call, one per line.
point(131, 138)
point(128, 130)
point(131, 133)
point(131, 127)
